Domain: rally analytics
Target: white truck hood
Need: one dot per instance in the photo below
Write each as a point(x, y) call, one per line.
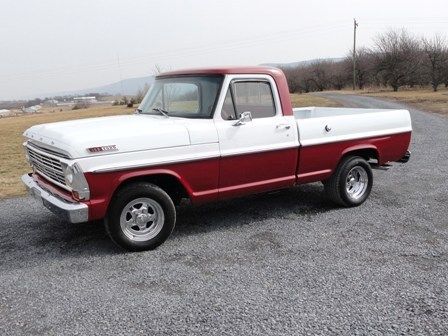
point(127, 133)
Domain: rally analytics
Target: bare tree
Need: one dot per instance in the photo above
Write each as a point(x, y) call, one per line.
point(338, 76)
point(319, 75)
point(364, 66)
point(436, 59)
point(141, 93)
point(397, 58)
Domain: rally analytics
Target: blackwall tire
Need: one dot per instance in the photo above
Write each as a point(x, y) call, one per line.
point(141, 216)
point(351, 183)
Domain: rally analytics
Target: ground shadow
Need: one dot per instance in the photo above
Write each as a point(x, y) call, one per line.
point(48, 237)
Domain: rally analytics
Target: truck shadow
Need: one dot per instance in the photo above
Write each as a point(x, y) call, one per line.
point(299, 203)
point(46, 237)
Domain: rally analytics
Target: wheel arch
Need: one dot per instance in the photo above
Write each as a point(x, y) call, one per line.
point(365, 151)
point(171, 182)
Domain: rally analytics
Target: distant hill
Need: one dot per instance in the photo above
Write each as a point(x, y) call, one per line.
point(301, 63)
point(126, 87)
point(130, 86)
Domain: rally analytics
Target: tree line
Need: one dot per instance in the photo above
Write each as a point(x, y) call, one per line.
point(397, 59)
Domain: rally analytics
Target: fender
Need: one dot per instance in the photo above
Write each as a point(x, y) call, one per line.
point(200, 187)
point(355, 148)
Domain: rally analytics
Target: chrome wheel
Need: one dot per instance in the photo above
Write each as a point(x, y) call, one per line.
point(142, 219)
point(357, 182)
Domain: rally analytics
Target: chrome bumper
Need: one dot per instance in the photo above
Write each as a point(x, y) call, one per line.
point(72, 212)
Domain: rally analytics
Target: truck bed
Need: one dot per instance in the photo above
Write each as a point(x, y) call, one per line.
point(319, 125)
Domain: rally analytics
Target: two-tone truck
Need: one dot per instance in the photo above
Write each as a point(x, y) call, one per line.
point(206, 135)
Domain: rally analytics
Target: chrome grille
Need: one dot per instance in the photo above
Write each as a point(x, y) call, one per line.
point(48, 166)
point(49, 151)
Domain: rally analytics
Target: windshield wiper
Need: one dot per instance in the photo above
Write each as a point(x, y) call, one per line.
point(138, 111)
point(161, 111)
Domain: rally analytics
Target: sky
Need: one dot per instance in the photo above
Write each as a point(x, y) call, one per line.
point(49, 46)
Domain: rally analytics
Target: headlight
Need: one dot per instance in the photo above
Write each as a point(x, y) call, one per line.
point(75, 179)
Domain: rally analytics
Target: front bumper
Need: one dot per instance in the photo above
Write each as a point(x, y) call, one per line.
point(72, 212)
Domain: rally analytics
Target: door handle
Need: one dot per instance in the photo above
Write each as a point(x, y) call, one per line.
point(283, 127)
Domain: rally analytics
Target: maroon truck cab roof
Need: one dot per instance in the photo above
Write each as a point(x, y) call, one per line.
point(275, 73)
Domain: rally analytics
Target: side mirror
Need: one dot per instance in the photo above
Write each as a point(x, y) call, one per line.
point(244, 118)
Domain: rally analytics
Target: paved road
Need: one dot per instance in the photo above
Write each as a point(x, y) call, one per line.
point(280, 264)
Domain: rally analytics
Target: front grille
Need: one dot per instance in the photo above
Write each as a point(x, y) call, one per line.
point(47, 166)
point(46, 150)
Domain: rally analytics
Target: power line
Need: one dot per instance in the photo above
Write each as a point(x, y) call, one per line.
point(355, 25)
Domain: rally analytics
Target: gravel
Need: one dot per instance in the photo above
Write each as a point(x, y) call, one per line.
point(277, 264)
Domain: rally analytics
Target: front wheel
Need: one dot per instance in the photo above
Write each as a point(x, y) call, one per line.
point(351, 183)
point(141, 217)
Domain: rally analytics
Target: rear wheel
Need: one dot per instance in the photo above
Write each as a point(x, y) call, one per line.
point(141, 217)
point(351, 183)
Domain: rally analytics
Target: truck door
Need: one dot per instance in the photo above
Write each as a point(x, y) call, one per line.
point(258, 145)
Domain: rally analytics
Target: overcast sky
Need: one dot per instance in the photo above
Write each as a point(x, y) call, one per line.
point(48, 46)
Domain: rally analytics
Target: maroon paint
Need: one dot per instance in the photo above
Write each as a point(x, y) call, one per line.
point(319, 161)
point(253, 173)
point(242, 174)
point(199, 178)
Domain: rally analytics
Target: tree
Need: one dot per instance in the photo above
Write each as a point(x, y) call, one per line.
point(364, 67)
point(319, 74)
point(141, 94)
point(397, 58)
point(436, 60)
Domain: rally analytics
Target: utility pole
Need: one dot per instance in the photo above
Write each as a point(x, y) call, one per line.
point(355, 25)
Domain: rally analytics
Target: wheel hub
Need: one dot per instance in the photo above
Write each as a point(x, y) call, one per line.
point(142, 219)
point(356, 182)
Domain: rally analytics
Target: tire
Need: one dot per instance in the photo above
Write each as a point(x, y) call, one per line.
point(132, 227)
point(351, 183)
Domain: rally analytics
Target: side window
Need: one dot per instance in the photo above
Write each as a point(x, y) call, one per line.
point(228, 109)
point(255, 97)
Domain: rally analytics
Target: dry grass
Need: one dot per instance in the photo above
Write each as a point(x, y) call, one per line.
point(306, 99)
point(424, 99)
point(13, 164)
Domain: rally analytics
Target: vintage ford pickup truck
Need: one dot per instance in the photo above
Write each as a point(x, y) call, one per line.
point(206, 135)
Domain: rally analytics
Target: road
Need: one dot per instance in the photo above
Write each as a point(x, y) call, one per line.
point(279, 264)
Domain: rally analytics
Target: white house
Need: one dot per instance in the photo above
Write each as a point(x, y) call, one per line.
point(88, 100)
point(32, 109)
point(4, 112)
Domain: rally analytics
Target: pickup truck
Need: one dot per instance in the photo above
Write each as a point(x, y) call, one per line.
point(206, 135)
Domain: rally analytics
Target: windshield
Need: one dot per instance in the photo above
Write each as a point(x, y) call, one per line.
point(186, 96)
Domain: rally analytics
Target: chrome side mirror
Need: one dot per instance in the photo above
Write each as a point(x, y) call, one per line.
point(244, 118)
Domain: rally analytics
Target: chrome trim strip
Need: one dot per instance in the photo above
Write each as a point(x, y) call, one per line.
point(73, 212)
point(199, 158)
point(143, 165)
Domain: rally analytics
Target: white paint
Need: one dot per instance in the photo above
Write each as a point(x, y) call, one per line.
point(148, 140)
point(348, 124)
point(259, 134)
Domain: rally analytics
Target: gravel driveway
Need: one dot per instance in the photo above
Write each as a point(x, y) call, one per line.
point(286, 263)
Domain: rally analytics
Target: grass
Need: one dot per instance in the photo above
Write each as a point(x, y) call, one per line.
point(424, 99)
point(13, 164)
point(306, 99)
